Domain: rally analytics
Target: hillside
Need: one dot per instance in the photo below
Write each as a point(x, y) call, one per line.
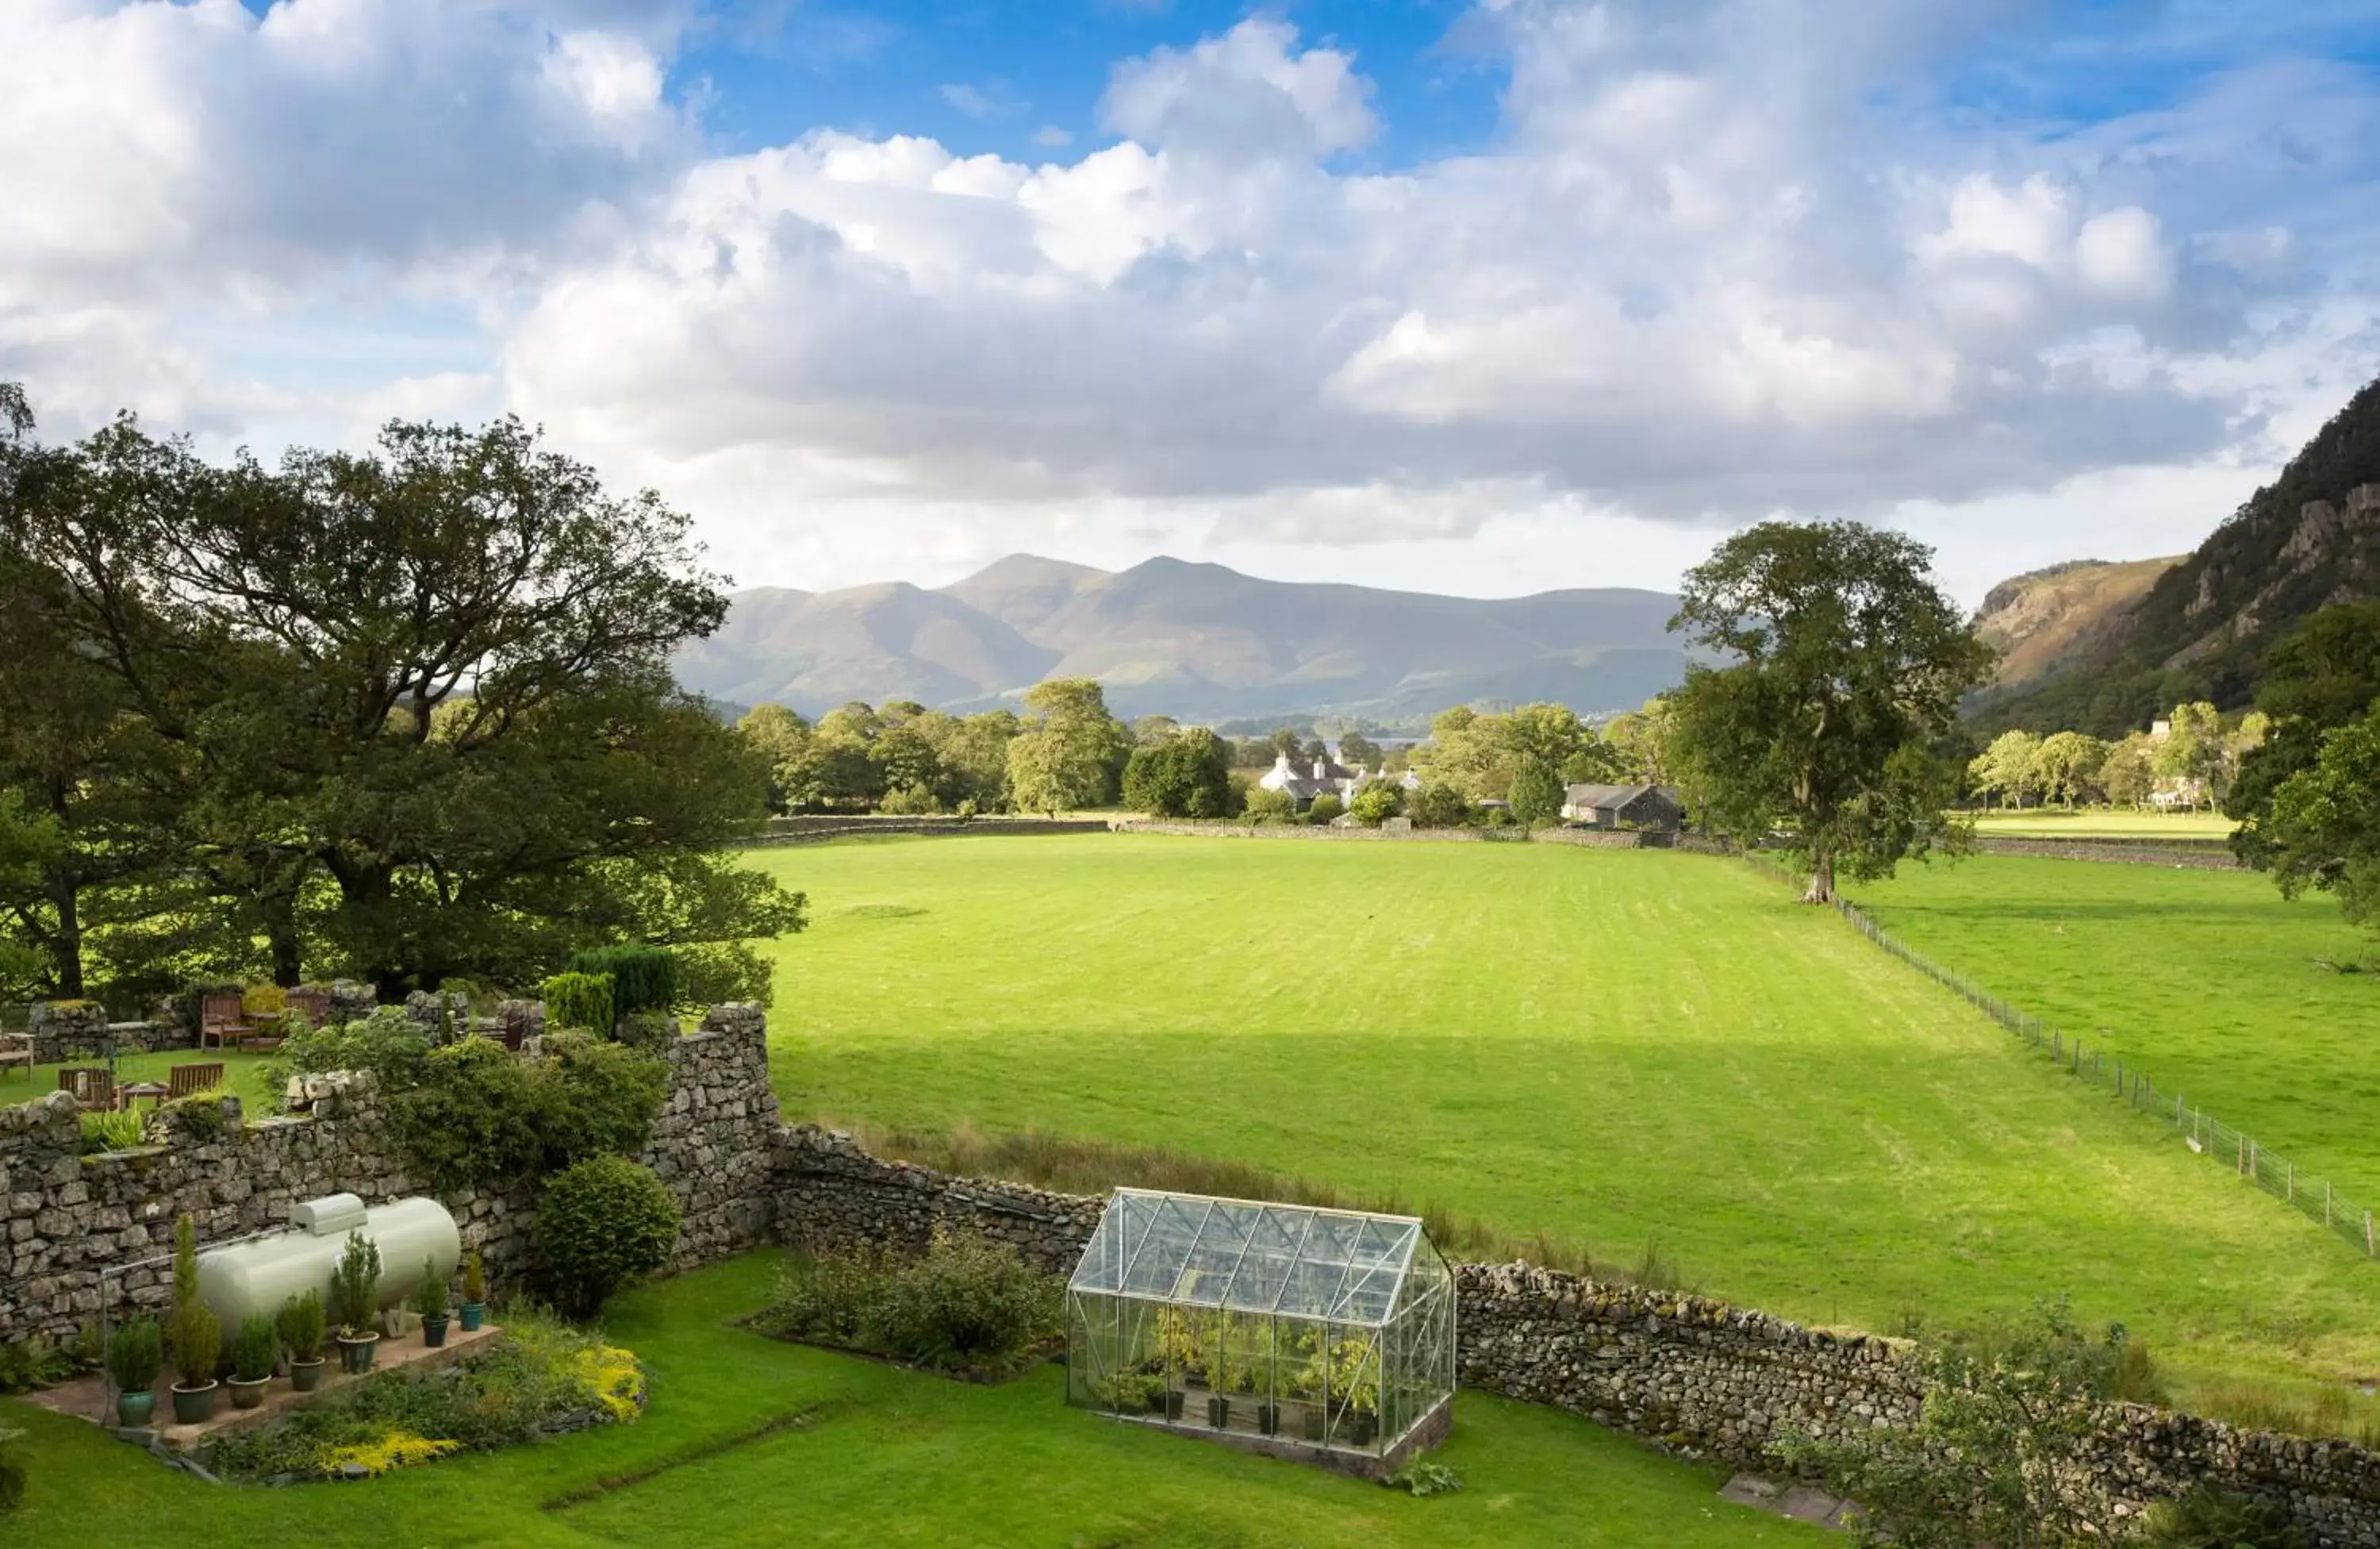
point(2308, 540)
point(1196, 641)
point(2044, 621)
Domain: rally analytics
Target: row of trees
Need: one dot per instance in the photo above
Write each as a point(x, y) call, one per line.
point(403, 714)
point(2199, 756)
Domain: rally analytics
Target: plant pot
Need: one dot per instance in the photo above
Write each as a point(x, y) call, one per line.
point(247, 1393)
point(194, 1405)
point(134, 1407)
point(306, 1375)
point(1218, 1411)
point(1168, 1403)
point(1268, 1419)
point(434, 1330)
point(473, 1311)
point(356, 1352)
point(1312, 1426)
point(1362, 1427)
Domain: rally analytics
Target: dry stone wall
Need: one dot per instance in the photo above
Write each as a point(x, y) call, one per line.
point(65, 1217)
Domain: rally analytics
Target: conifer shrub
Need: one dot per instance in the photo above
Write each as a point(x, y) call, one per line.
point(643, 978)
point(604, 1222)
point(580, 1000)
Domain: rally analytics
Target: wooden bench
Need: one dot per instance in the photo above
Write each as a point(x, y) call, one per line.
point(183, 1080)
point(222, 1019)
point(16, 1048)
point(91, 1086)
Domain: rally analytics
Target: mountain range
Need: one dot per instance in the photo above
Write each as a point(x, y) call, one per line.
point(1197, 641)
point(2104, 648)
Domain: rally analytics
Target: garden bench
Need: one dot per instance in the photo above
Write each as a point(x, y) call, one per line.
point(221, 1017)
point(182, 1080)
point(89, 1086)
point(16, 1048)
point(314, 1004)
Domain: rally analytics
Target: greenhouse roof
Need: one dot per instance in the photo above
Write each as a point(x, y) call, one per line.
point(1291, 1261)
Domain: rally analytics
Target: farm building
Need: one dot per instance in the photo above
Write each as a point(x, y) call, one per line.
point(1654, 807)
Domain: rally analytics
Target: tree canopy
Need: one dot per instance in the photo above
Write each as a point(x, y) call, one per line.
point(1844, 665)
point(1070, 753)
point(404, 712)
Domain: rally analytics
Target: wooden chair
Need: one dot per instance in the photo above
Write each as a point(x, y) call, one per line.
point(91, 1086)
point(222, 1019)
point(314, 1004)
point(181, 1081)
point(16, 1048)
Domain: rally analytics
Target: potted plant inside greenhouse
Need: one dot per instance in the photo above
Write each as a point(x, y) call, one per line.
point(134, 1358)
point(255, 1349)
point(196, 1336)
point(355, 1293)
point(429, 1301)
point(475, 1292)
point(301, 1330)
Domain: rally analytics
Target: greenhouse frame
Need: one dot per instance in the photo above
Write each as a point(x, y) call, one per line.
point(1291, 1329)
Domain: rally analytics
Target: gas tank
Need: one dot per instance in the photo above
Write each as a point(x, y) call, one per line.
point(258, 1276)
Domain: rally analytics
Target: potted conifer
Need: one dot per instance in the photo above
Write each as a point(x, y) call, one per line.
point(254, 1351)
point(355, 1293)
point(134, 1358)
point(475, 1292)
point(429, 1301)
point(301, 1330)
point(196, 1336)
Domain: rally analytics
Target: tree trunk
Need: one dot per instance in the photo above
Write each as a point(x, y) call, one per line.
point(1822, 879)
point(281, 934)
point(66, 944)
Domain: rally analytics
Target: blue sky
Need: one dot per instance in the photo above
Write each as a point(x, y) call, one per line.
point(1484, 295)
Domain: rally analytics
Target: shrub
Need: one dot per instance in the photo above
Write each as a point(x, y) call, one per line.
point(481, 1117)
point(643, 978)
point(388, 1043)
point(1536, 792)
point(910, 801)
point(1421, 1477)
point(32, 1364)
point(1269, 806)
point(135, 1355)
point(2210, 1518)
point(647, 1030)
point(580, 1000)
point(605, 1221)
point(258, 1001)
point(355, 1285)
point(475, 1277)
point(195, 1334)
point(1326, 807)
point(1376, 801)
point(198, 1118)
point(255, 1349)
point(1436, 805)
point(969, 1304)
point(430, 1297)
point(301, 1326)
point(502, 1395)
point(110, 1131)
point(717, 972)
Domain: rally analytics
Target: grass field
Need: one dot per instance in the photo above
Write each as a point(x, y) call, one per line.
point(1612, 1046)
point(885, 1457)
point(2104, 822)
point(243, 1076)
point(2211, 982)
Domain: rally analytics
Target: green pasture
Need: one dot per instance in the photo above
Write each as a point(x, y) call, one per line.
point(2103, 823)
point(2210, 981)
point(747, 1441)
point(1613, 1047)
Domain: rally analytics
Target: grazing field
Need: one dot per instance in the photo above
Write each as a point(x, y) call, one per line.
point(2104, 822)
point(867, 1453)
point(2211, 982)
point(1617, 1046)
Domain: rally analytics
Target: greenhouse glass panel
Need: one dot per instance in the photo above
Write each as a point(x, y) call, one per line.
point(1285, 1328)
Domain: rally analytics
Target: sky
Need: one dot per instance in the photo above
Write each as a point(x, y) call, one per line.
point(1476, 296)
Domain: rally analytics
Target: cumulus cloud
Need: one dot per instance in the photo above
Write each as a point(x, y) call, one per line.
point(1719, 259)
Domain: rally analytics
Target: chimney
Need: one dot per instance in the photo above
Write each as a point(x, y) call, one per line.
point(1320, 765)
point(1280, 764)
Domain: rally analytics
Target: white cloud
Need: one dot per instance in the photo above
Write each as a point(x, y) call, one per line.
point(1719, 262)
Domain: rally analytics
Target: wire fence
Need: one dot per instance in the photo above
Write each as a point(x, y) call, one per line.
point(2317, 1198)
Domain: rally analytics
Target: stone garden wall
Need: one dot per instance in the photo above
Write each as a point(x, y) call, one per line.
point(65, 1217)
point(63, 1030)
point(2213, 855)
point(809, 829)
point(832, 1193)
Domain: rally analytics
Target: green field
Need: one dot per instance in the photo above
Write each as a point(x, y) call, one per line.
point(2104, 822)
point(881, 1456)
point(244, 1077)
point(1610, 1045)
point(2210, 981)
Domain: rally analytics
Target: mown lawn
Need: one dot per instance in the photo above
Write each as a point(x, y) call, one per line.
point(2105, 822)
point(1618, 1046)
point(877, 1456)
point(2210, 981)
point(244, 1075)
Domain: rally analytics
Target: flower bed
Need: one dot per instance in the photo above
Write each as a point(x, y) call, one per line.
point(542, 1378)
point(969, 1308)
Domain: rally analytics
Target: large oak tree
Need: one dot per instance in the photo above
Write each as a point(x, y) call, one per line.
point(1837, 666)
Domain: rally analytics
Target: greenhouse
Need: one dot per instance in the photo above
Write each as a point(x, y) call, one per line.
point(1290, 1329)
